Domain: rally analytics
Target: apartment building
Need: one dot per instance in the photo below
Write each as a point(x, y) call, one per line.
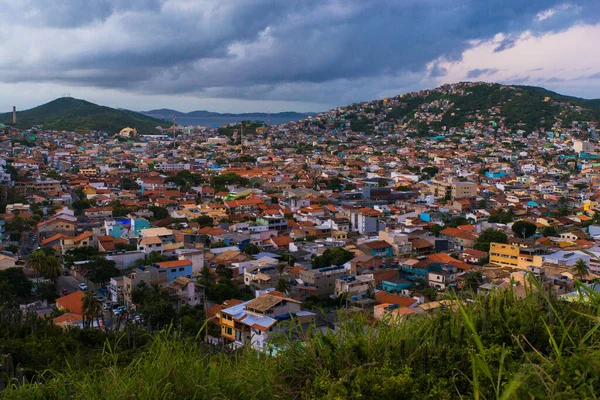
point(323, 279)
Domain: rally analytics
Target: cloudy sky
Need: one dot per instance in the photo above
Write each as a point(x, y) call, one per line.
point(277, 55)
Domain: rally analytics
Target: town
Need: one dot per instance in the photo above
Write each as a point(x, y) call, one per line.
point(395, 209)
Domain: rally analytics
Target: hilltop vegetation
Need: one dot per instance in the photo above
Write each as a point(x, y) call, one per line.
point(499, 346)
point(488, 105)
point(71, 114)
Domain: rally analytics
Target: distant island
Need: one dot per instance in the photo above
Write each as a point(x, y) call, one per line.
point(208, 118)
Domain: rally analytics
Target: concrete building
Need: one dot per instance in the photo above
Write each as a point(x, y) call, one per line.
point(583, 146)
point(354, 285)
point(323, 279)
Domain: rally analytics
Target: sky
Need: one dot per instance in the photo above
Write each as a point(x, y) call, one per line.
point(287, 55)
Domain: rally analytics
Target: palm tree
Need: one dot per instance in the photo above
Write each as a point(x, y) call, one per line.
point(52, 268)
point(90, 308)
point(282, 284)
point(47, 266)
point(37, 260)
point(581, 269)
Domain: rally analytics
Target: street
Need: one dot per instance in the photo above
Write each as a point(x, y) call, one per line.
point(69, 283)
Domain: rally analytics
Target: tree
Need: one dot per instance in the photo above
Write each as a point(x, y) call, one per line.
point(436, 229)
point(333, 256)
point(204, 220)
point(282, 284)
point(206, 277)
point(100, 270)
point(549, 231)
point(90, 308)
point(581, 269)
point(16, 282)
point(457, 221)
point(473, 280)
point(382, 182)
point(251, 249)
point(488, 236)
point(47, 291)
point(159, 212)
point(47, 266)
point(524, 229)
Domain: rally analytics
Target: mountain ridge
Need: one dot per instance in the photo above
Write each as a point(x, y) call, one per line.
point(204, 117)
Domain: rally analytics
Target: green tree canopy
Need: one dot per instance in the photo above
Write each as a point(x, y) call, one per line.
point(524, 229)
point(488, 236)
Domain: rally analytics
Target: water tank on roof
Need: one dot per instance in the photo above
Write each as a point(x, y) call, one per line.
point(354, 298)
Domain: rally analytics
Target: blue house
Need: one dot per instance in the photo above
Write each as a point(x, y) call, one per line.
point(495, 174)
point(175, 269)
point(395, 286)
point(413, 273)
point(377, 248)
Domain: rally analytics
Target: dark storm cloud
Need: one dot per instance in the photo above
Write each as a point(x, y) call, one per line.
point(476, 73)
point(257, 48)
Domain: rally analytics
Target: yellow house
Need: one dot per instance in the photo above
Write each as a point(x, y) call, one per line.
point(227, 326)
point(89, 190)
point(88, 171)
point(510, 255)
point(588, 205)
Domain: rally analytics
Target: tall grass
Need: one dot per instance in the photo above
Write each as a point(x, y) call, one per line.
point(498, 347)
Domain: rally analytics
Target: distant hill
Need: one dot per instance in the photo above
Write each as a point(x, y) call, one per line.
point(67, 113)
point(209, 118)
point(481, 104)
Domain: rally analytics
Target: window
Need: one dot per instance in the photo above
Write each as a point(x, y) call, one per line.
point(181, 269)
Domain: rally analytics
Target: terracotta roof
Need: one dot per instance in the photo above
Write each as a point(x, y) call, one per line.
point(384, 297)
point(71, 302)
point(175, 263)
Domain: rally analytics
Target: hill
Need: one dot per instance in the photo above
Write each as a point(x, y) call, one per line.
point(481, 105)
point(209, 118)
point(67, 113)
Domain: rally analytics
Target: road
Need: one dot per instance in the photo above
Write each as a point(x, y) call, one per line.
point(67, 282)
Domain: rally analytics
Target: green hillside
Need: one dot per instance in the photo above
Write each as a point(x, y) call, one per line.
point(514, 107)
point(71, 114)
point(497, 347)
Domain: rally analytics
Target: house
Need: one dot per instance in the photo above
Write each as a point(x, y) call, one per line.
point(377, 248)
point(354, 285)
point(458, 238)
point(70, 242)
point(54, 226)
point(72, 303)
point(184, 292)
point(442, 277)
point(176, 269)
point(7, 262)
point(392, 314)
point(251, 323)
point(323, 279)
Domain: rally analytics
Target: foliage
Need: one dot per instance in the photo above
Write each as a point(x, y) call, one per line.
point(47, 291)
point(524, 229)
point(16, 283)
point(100, 270)
point(204, 220)
point(251, 249)
point(128, 184)
point(457, 221)
point(581, 269)
point(46, 265)
point(333, 256)
point(159, 212)
point(79, 254)
point(501, 217)
point(498, 346)
point(549, 231)
point(488, 236)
